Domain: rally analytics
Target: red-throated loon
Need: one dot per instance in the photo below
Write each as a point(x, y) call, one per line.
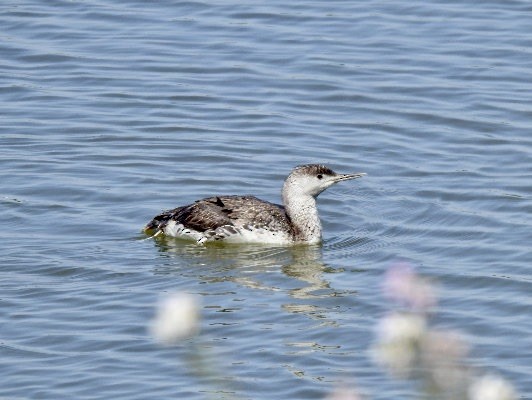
point(247, 219)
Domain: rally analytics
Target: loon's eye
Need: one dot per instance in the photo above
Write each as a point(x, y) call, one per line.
point(320, 176)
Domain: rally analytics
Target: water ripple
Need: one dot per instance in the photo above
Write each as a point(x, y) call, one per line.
point(112, 112)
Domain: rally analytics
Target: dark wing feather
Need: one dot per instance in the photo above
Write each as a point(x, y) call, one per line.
point(250, 212)
point(214, 212)
point(201, 216)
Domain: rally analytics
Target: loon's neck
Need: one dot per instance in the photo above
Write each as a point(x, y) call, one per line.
point(303, 214)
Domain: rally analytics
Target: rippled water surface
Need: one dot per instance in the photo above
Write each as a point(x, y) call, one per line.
point(112, 111)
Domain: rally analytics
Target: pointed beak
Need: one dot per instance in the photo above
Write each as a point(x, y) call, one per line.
point(346, 177)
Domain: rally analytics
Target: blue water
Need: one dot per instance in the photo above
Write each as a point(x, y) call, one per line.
point(112, 111)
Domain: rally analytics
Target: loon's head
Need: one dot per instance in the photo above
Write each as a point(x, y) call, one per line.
point(312, 179)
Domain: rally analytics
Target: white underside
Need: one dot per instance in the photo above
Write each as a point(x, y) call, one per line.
point(228, 234)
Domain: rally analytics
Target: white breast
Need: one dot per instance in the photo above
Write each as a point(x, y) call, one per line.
point(228, 234)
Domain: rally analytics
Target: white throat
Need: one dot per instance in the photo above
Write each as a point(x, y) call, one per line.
point(303, 213)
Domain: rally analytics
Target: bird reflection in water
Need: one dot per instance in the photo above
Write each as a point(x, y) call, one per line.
point(257, 267)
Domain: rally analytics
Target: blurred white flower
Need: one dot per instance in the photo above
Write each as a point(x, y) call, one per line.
point(398, 340)
point(401, 327)
point(177, 318)
point(403, 285)
point(491, 387)
point(344, 393)
point(408, 348)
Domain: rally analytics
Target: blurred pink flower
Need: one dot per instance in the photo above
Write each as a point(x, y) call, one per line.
point(404, 286)
point(443, 356)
